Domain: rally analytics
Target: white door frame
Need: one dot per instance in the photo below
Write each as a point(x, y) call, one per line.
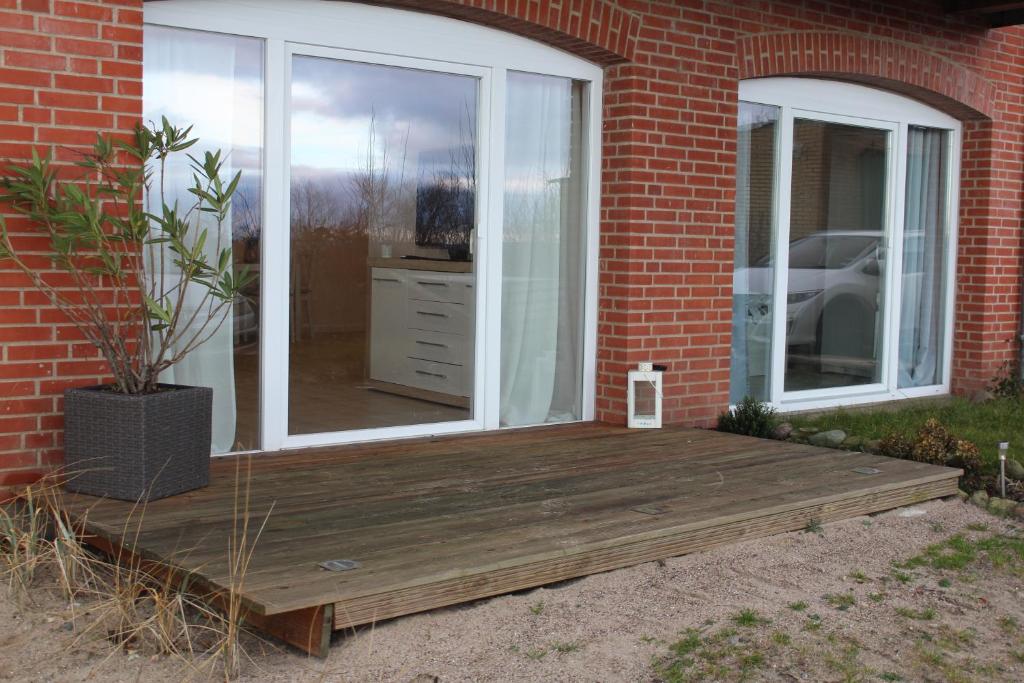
point(856, 105)
point(415, 40)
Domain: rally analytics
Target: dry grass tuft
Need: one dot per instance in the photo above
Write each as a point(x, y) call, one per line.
point(136, 606)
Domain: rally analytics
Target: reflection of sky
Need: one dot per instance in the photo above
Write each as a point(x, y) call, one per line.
point(413, 114)
point(211, 81)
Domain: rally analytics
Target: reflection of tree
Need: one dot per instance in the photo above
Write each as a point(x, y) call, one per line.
point(247, 225)
point(379, 193)
point(446, 200)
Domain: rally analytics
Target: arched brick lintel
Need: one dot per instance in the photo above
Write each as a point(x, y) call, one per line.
point(898, 67)
point(596, 30)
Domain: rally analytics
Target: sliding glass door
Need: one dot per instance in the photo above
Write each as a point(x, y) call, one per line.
point(845, 226)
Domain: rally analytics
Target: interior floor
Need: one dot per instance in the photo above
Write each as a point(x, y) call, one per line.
point(329, 392)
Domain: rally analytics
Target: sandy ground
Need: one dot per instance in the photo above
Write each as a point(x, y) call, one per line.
point(927, 624)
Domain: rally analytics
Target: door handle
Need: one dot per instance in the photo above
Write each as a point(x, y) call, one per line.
point(426, 343)
point(431, 284)
point(432, 314)
point(431, 374)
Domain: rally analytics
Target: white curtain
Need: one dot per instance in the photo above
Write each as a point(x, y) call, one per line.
point(542, 254)
point(921, 311)
point(181, 67)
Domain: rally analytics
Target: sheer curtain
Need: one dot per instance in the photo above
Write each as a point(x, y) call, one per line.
point(189, 79)
point(542, 255)
point(921, 311)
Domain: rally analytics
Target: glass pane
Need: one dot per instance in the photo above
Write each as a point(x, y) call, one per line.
point(383, 205)
point(214, 82)
point(543, 253)
point(922, 308)
point(754, 266)
point(836, 252)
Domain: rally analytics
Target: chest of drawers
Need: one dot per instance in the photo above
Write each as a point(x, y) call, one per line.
point(421, 332)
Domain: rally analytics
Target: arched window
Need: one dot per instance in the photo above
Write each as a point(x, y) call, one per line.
point(846, 209)
point(419, 201)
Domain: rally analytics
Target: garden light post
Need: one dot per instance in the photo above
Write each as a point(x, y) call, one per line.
point(1003, 447)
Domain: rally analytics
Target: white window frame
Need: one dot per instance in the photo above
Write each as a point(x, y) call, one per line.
point(377, 35)
point(857, 105)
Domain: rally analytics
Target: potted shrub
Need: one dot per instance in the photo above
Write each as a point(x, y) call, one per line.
point(146, 283)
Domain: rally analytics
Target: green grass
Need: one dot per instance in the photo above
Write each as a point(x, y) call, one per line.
point(959, 552)
point(537, 608)
point(748, 618)
point(702, 656)
point(563, 648)
point(985, 424)
point(841, 601)
point(814, 527)
point(926, 614)
point(798, 606)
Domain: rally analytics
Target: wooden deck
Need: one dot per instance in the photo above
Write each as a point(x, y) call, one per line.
point(443, 521)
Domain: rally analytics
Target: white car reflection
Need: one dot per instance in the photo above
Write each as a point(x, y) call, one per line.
point(832, 296)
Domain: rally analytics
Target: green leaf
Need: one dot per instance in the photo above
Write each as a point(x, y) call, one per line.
point(156, 310)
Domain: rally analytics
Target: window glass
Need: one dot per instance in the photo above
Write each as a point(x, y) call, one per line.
point(543, 252)
point(835, 279)
point(922, 309)
point(214, 83)
point(753, 265)
point(383, 208)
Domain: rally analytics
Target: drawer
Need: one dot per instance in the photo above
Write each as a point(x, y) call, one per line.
point(455, 288)
point(440, 377)
point(437, 317)
point(439, 346)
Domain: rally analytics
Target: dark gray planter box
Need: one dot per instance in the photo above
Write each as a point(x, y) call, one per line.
point(137, 447)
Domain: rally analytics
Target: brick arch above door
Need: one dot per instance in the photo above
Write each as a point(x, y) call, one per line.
point(596, 30)
point(897, 67)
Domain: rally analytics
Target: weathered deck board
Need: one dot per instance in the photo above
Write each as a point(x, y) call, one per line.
point(436, 522)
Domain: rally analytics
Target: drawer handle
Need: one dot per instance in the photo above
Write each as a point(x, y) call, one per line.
point(426, 343)
point(431, 284)
point(431, 374)
point(386, 279)
point(432, 314)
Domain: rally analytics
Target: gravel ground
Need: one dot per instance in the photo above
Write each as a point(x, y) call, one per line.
point(801, 606)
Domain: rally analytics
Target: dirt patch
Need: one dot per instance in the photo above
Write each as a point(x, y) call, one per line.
point(872, 598)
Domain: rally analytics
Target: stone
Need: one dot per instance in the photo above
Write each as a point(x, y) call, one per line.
point(807, 431)
point(782, 431)
point(1014, 470)
point(1001, 506)
point(963, 495)
point(980, 498)
point(982, 396)
point(833, 438)
point(853, 443)
point(872, 445)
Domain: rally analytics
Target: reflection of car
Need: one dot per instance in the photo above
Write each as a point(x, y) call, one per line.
point(832, 295)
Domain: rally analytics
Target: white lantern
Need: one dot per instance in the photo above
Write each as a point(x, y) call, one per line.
point(643, 398)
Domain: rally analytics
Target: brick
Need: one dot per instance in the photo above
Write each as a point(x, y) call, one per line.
point(669, 154)
point(64, 27)
point(34, 60)
point(87, 48)
point(25, 41)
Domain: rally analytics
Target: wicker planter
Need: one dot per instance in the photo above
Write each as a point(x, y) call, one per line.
point(137, 447)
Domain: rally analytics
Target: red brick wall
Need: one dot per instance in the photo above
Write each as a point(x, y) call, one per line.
point(68, 69)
